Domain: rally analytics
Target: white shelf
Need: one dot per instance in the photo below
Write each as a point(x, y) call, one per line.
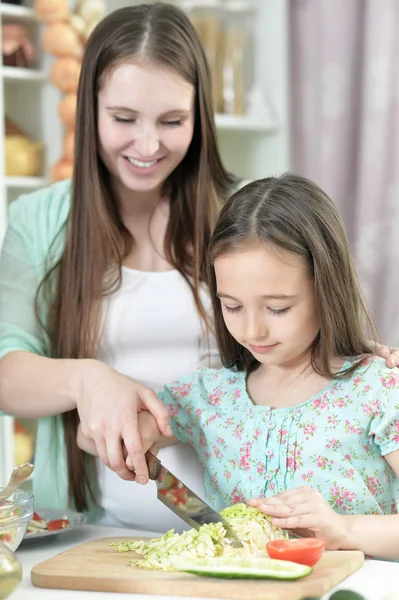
point(22, 74)
point(26, 182)
point(17, 12)
point(240, 6)
point(244, 123)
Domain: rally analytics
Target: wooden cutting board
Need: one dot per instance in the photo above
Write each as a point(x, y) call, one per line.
point(96, 566)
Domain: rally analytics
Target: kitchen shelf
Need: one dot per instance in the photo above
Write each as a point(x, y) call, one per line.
point(26, 182)
point(23, 74)
point(244, 123)
point(17, 12)
point(237, 6)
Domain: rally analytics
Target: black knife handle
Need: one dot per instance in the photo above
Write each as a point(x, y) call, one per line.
point(153, 464)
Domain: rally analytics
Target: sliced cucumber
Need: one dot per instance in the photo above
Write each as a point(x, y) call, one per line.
point(242, 568)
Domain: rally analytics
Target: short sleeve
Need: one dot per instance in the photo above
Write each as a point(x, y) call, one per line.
point(33, 243)
point(385, 422)
point(19, 280)
point(182, 398)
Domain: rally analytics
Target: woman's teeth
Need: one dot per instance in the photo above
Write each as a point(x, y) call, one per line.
point(142, 164)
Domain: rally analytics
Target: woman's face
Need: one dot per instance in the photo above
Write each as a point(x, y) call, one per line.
point(145, 124)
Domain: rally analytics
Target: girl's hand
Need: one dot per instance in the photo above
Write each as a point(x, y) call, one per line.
point(149, 433)
point(304, 512)
point(85, 443)
point(108, 404)
point(391, 355)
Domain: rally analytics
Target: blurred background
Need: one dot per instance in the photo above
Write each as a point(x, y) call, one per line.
point(310, 86)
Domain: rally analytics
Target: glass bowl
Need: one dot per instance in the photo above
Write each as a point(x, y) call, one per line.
point(15, 514)
point(10, 572)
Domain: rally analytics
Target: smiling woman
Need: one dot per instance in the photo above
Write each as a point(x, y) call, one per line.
point(114, 261)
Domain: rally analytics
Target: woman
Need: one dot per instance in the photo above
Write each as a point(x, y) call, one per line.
point(101, 277)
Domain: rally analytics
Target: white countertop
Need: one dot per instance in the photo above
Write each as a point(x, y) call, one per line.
point(376, 580)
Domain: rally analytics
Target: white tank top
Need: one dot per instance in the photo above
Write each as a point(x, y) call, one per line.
point(152, 332)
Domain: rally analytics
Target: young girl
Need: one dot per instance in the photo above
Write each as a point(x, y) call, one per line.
point(302, 418)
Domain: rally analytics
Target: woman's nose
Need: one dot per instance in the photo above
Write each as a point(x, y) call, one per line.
point(147, 143)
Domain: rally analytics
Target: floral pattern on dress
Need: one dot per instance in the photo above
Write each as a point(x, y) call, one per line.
point(334, 442)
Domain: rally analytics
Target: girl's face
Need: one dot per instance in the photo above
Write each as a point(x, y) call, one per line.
point(268, 303)
point(145, 124)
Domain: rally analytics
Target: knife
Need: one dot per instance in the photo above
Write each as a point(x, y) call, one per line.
point(183, 502)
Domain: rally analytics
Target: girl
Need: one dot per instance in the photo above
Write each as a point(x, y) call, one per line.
point(301, 400)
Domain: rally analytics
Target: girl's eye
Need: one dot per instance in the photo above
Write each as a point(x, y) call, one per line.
point(278, 311)
point(122, 120)
point(232, 309)
point(172, 123)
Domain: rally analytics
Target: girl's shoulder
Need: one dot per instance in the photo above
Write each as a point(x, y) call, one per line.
point(375, 373)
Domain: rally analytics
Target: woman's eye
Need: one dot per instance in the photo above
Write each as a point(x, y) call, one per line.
point(232, 309)
point(122, 120)
point(278, 311)
point(172, 123)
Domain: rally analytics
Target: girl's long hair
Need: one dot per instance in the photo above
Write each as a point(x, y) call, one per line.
point(292, 213)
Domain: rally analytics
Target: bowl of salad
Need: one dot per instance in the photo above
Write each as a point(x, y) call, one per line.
point(15, 515)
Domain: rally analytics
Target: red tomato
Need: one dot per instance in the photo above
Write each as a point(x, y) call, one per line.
point(36, 517)
point(305, 551)
point(57, 524)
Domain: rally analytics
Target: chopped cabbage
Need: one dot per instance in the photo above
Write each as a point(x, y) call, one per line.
point(252, 526)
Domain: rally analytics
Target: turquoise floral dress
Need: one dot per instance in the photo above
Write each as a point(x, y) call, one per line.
point(335, 442)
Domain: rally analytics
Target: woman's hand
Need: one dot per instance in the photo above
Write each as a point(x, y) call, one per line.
point(149, 434)
point(108, 404)
point(391, 355)
point(305, 512)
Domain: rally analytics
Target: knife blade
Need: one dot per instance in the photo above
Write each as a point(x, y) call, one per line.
point(174, 494)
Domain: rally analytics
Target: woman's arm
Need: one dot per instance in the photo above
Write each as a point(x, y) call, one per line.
point(35, 386)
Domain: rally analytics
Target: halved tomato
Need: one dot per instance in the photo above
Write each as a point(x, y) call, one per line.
point(304, 551)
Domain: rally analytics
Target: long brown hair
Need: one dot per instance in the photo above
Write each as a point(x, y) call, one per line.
point(293, 213)
point(96, 239)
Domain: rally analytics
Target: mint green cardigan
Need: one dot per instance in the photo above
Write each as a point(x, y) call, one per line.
point(35, 221)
